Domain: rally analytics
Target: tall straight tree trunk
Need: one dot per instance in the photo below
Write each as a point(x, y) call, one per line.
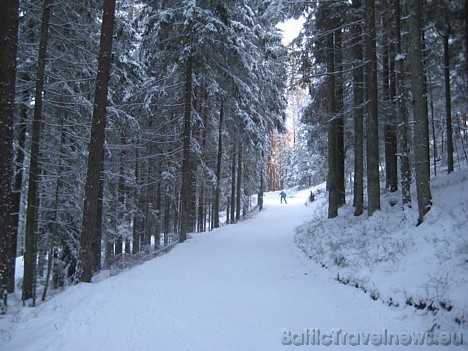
point(97, 246)
point(29, 277)
point(17, 187)
point(448, 102)
point(389, 125)
point(373, 179)
point(333, 196)
point(18, 183)
point(340, 151)
point(53, 239)
point(9, 11)
point(233, 184)
point(421, 125)
point(262, 185)
point(239, 180)
point(218, 169)
point(260, 191)
point(466, 46)
point(202, 200)
point(403, 152)
point(138, 220)
point(193, 196)
point(91, 232)
point(358, 101)
point(392, 136)
point(167, 218)
point(186, 196)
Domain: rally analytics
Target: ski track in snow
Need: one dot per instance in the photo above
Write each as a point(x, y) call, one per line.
point(230, 289)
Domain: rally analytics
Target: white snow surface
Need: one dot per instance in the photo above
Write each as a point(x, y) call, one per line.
point(234, 288)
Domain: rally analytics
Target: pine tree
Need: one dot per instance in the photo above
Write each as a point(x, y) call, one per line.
point(421, 128)
point(91, 233)
point(373, 179)
point(358, 101)
point(403, 150)
point(9, 11)
point(29, 276)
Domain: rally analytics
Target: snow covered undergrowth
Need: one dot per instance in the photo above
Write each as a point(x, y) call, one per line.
point(240, 287)
point(424, 268)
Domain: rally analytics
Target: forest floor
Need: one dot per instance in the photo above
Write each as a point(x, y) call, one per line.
point(240, 287)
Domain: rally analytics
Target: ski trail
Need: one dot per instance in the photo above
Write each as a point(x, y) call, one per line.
point(234, 288)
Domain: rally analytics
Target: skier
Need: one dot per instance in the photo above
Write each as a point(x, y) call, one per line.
point(311, 196)
point(282, 195)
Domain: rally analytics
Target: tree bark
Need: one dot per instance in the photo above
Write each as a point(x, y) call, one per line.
point(91, 232)
point(239, 180)
point(448, 102)
point(333, 196)
point(358, 100)
point(9, 11)
point(391, 167)
point(233, 183)
point(18, 184)
point(29, 277)
point(218, 169)
point(421, 128)
point(186, 199)
point(262, 185)
point(340, 151)
point(373, 178)
point(403, 151)
point(139, 223)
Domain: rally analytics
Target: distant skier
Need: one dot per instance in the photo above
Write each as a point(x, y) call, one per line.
point(311, 196)
point(283, 197)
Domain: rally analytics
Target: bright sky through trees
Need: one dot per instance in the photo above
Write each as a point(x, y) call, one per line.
point(291, 29)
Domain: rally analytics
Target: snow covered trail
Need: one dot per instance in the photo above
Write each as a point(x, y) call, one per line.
point(234, 288)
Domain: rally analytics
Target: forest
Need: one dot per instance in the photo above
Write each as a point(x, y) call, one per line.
point(129, 125)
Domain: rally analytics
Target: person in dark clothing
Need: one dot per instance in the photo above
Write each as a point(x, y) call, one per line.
point(283, 197)
point(311, 196)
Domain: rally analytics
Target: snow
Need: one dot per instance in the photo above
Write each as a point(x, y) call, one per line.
point(240, 287)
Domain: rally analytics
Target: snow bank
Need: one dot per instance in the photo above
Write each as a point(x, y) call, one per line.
point(422, 268)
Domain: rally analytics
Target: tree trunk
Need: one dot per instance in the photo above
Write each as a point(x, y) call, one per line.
point(340, 151)
point(403, 152)
point(373, 179)
point(53, 239)
point(233, 184)
point(9, 11)
point(333, 196)
point(167, 219)
point(421, 128)
point(448, 103)
point(358, 100)
point(392, 131)
point(218, 169)
point(29, 277)
point(466, 46)
point(391, 167)
point(260, 191)
point(138, 220)
point(91, 232)
point(186, 197)
point(18, 184)
point(239, 181)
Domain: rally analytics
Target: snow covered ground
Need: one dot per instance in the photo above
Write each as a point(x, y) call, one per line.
point(241, 287)
point(396, 263)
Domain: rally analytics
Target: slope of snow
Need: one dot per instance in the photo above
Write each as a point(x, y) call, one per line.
point(424, 268)
point(240, 287)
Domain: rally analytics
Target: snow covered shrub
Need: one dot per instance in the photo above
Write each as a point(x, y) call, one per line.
point(463, 251)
